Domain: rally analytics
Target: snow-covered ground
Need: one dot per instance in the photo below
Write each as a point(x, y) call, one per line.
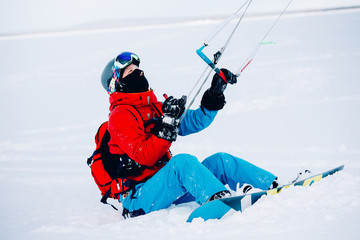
point(296, 106)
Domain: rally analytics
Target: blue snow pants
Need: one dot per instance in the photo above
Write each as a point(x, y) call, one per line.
point(185, 179)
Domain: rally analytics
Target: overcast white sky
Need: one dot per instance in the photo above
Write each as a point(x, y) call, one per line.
point(17, 16)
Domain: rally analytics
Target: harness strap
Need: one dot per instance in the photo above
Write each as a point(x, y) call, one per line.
point(90, 160)
point(105, 197)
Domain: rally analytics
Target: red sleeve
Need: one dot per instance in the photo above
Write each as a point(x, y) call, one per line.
point(128, 136)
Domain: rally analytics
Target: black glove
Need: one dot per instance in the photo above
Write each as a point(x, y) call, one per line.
point(167, 128)
point(173, 107)
point(218, 85)
point(213, 98)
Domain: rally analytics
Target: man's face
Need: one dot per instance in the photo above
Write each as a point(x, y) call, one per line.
point(129, 69)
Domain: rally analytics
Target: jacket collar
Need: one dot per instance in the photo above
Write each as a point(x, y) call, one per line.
point(134, 99)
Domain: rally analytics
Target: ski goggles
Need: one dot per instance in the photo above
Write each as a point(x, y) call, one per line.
point(123, 60)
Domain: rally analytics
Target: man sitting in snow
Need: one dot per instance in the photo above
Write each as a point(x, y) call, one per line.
point(142, 129)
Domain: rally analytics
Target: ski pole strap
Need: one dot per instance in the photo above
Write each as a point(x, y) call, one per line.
point(105, 197)
point(210, 63)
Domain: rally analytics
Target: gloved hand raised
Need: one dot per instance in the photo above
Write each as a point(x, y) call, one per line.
point(218, 85)
point(173, 107)
point(213, 98)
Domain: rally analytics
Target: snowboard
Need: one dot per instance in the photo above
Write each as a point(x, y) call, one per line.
point(218, 208)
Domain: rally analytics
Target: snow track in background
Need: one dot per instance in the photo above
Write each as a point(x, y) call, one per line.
point(174, 24)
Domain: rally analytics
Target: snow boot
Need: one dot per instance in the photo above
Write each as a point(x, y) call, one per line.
point(274, 184)
point(219, 195)
point(245, 188)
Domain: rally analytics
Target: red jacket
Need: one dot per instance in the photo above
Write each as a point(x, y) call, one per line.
point(127, 133)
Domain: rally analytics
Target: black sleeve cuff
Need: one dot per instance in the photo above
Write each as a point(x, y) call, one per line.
point(213, 101)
